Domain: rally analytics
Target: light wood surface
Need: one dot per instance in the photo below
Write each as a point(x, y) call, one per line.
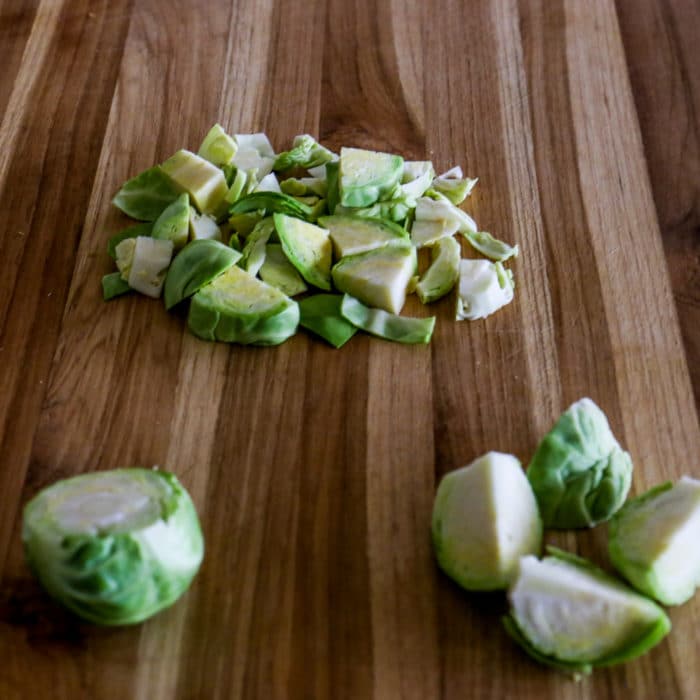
point(314, 470)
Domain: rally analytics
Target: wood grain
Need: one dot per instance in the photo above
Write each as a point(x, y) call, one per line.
point(314, 470)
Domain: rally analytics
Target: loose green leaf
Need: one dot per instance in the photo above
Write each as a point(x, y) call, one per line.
point(145, 196)
point(491, 247)
point(272, 203)
point(321, 314)
point(114, 286)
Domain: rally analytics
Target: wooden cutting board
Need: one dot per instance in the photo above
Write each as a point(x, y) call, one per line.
point(314, 469)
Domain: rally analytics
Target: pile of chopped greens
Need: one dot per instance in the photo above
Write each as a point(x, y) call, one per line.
point(261, 243)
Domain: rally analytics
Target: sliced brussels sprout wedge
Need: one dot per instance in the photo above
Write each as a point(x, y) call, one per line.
point(491, 247)
point(386, 325)
point(143, 263)
point(308, 248)
point(321, 314)
point(485, 519)
point(277, 271)
point(145, 196)
point(306, 152)
point(379, 277)
point(353, 234)
point(567, 613)
point(239, 308)
point(113, 285)
point(218, 147)
point(484, 287)
point(579, 473)
point(367, 176)
point(203, 227)
point(205, 183)
point(443, 272)
point(144, 229)
point(174, 222)
point(115, 547)
point(653, 541)
point(272, 203)
point(197, 264)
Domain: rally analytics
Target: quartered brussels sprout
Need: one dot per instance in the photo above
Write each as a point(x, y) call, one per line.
point(367, 176)
point(567, 613)
point(321, 314)
point(443, 272)
point(278, 272)
point(197, 264)
point(145, 196)
point(143, 263)
point(308, 248)
point(115, 547)
point(353, 234)
point(239, 308)
point(386, 325)
point(174, 222)
point(580, 474)
point(218, 147)
point(484, 519)
point(379, 277)
point(204, 182)
point(484, 287)
point(654, 541)
point(491, 247)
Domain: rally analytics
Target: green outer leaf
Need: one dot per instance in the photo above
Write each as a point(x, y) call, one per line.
point(130, 232)
point(321, 314)
point(145, 196)
point(489, 246)
point(443, 273)
point(272, 202)
point(197, 264)
point(387, 325)
point(114, 286)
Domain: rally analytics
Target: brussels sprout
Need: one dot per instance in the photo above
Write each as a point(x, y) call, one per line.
point(484, 287)
point(654, 541)
point(218, 147)
point(417, 177)
point(271, 202)
point(255, 154)
point(321, 314)
point(436, 207)
point(308, 248)
point(353, 234)
point(484, 519)
point(378, 277)
point(203, 227)
point(254, 250)
point(443, 272)
point(197, 264)
point(268, 184)
point(427, 233)
point(204, 182)
point(173, 223)
point(386, 325)
point(491, 247)
point(238, 308)
point(306, 153)
point(113, 285)
point(396, 207)
point(115, 547)
point(569, 614)
point(453, 185)
point(580, 474)
point(278, 272)
point(144, 229)
point(143, 263)
point(367, 176)
point(305, 186)
point(237, 187)
point(145, 196)
point(244, 224)
point(333, 182)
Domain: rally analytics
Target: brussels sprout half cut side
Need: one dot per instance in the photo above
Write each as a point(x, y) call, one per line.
point(115, 547)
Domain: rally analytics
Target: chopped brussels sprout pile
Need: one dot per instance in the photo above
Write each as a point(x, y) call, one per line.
point(115, 547)
point(346, 228)
point(565, 612)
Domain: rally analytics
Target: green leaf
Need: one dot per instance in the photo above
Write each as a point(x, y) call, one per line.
point(145, 196)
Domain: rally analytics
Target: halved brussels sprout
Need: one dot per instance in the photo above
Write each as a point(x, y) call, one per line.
point(115, 547)
point(218, 147)
point(145, 196)
point(386, 325)
point(443, 272)
point(484, 519)
point(197, 264)
point(353, 234)
point(379, 277)
point(654, 541)
point(484, 287)
point(173, 223)
point(567, 613)
point(579, 473)
point(321, 314)
point(238, 308)
point(367, 176)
